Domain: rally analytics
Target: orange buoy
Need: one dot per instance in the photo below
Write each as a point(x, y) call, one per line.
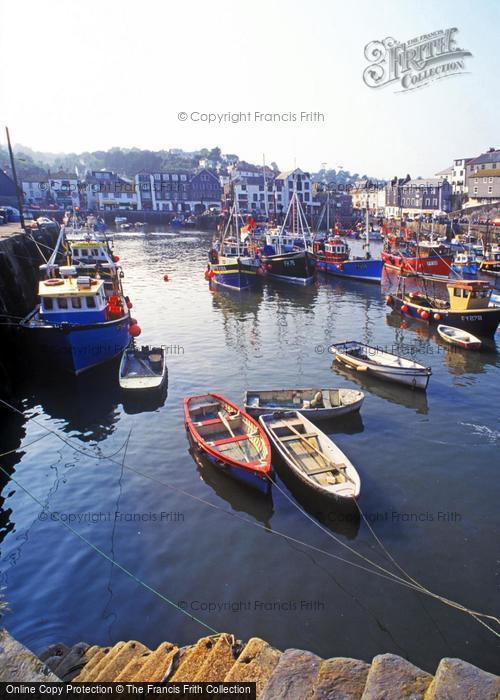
point(437, 317)
point(134, 330)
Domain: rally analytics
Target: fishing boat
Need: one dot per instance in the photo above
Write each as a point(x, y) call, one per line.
point(491, 263)
point(467, 307)
point(143, 369)
point(333, 256)
point(381, 364)
point(312, 457)
point(76, 325)
point(230, 439)
point(425, 257)
point(286, 253)
point(315, 404)
point(465, 264)
point(459, 337)
point(231, 263)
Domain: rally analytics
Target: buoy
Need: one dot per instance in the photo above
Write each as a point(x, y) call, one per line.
point(165, 277)
point(207, 275)
point(437, 317)
point(134, 330)
point(269, 266)
point(404, 308)
point(212, 274)
point(116, 258)
point(424, 315)
point(129, 305)
point(133, 321)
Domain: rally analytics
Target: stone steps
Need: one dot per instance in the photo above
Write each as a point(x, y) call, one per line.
point(294, 674)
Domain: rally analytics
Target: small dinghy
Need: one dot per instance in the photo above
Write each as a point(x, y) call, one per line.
point(143, 369)
point(381, 364)
point(457, 336)
point(231, 439)
point(315, 404)
point(312, 456)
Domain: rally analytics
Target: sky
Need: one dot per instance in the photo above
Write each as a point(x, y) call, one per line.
point(90, 75)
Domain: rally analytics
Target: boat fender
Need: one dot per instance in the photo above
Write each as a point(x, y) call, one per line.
point(437, 317)
point(424, 315)
point(404, 308)
point(54, 282)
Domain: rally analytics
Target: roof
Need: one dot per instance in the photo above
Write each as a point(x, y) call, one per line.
point(446, 171)
point(486, 173)
point(285, 175)
point(489, 157)
point(68, 287)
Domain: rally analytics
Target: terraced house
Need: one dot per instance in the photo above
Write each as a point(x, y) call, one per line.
point(483, 178)
point(176, 191)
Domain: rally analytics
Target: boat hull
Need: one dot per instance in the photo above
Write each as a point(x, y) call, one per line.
point(255, 481)
point(468, 342)
point(432, 265)
point(367, 270)
point(78, 348)
point(234, 275)
point(480, 322)
point(296, 267)
point(313, 414)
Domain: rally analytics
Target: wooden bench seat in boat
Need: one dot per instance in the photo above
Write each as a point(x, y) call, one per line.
point(209, 421)
point(298, 437)
point(331, 468)
point(226, 441)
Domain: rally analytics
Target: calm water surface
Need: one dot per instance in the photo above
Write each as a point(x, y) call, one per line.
point(428, 466)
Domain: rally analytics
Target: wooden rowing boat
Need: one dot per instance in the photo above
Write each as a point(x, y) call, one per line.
point(381, 364)
point(315, 404)
point(230, 439)
point(459, 337)
point(143, 369)
point(317, 461)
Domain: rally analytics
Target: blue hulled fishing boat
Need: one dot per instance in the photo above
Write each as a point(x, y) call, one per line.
point(82, 320)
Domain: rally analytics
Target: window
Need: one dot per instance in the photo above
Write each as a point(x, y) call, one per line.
point(475, 190)
point(157, 176)
point(47, 304)
point(90, 302)
point(306, 196)
point(76, 303)
point(63, 303)
point(490, 190)
point(490, 179)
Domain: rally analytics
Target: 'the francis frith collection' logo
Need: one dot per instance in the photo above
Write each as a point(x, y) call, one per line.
point(414, 63)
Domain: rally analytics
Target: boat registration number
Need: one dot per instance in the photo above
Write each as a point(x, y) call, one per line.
point(472, 318)
point(288, 263)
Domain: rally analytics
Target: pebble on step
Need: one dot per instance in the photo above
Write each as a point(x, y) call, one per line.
point(341, 679)
point(294, 676)
point(392, 678)
point(255, 664)
point(458, 680)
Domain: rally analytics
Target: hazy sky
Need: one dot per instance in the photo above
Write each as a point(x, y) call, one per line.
point(90, 75)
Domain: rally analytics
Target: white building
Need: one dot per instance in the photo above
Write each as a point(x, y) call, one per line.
point(371, 195)
point(60, 189)
point(456, 175)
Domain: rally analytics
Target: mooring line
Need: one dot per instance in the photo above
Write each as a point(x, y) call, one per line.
point(390, 576)
point(130, 574)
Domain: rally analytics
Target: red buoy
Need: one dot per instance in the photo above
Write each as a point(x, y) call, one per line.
point(165, 277)
point(134, 330)
point(116, 258)
point(207, 275)
point(129, 305)
point(404, 308)
point(133, 321)
point(424, 315)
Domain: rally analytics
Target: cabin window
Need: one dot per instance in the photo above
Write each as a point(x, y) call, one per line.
point(48, 304)
point(95, 252)
point(76, 303)
point(63, 303)
point(90, 302)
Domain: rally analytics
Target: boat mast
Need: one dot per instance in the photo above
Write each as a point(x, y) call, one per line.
point(14, 177)
point(367, 230)
point(266, 207)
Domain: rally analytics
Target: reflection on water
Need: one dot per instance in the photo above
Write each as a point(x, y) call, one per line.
point(417, 455)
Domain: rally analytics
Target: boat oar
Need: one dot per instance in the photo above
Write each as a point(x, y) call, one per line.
point(225, 422)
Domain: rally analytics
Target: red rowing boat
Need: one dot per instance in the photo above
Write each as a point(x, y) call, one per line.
point(230, 439)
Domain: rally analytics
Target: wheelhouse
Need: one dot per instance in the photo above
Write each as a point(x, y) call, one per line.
point(80, 300)
point(467, 296)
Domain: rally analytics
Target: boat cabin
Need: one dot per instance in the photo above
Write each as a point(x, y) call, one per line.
point(336, 250)
point(89, 252)
point(73, 300)
point(428, 249)
point(469, 295)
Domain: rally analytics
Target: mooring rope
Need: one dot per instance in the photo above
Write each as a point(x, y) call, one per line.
point(383, 573)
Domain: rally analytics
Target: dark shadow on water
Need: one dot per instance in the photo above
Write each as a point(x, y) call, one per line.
point(147, 402)
point(241, 498)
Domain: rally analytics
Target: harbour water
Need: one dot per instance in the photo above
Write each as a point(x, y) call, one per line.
point(428, 467)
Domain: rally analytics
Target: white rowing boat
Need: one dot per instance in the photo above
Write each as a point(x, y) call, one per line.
point(315, 404)
point(142, 369)
point(459, 337)
point(317, 461)
point(381, 364)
